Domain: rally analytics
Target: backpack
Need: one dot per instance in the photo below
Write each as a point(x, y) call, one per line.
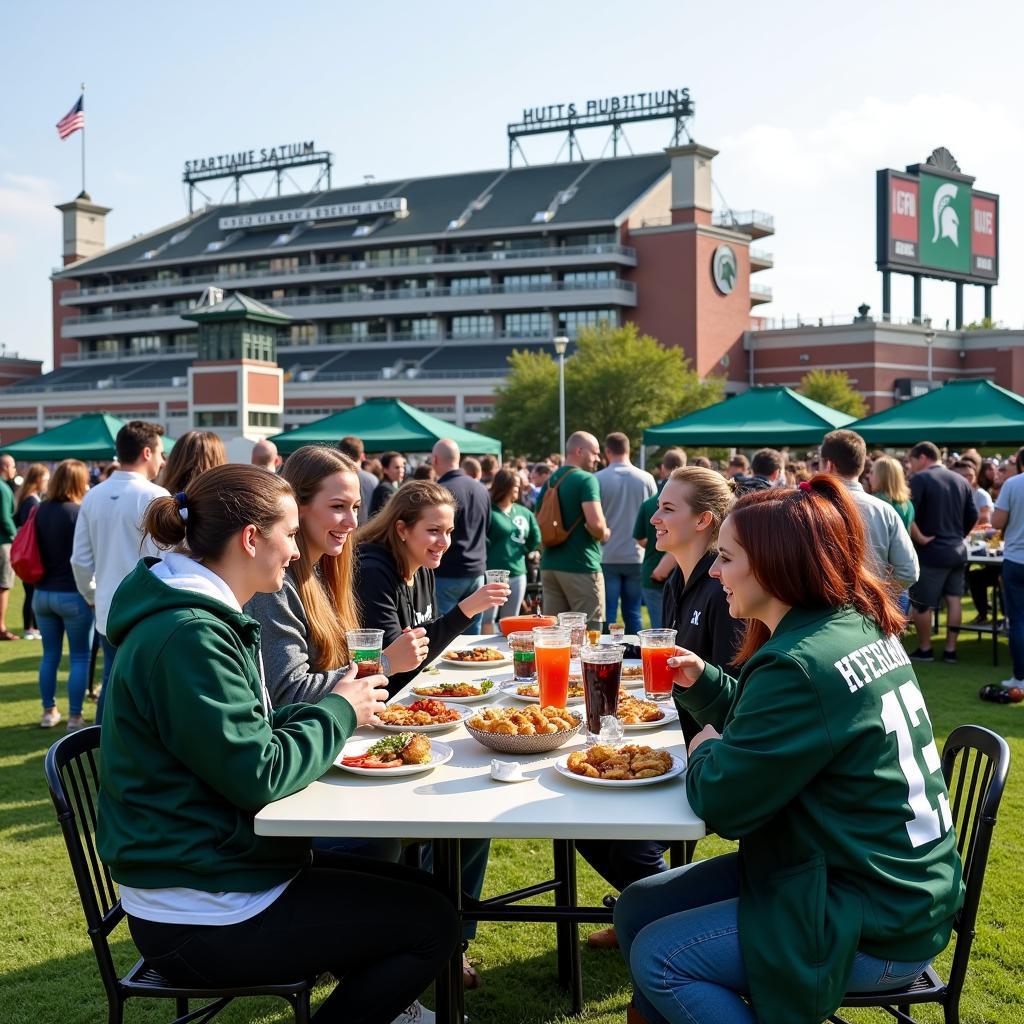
point(25, 558)
point(549, 516)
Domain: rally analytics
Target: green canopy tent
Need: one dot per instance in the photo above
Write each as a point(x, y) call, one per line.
point(963, 412)
point(89, 438)
point(758, 418)
point(384, 424)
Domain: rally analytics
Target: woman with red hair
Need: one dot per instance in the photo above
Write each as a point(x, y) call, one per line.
point(819, 758)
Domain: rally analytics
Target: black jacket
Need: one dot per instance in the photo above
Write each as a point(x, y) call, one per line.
point(389, 603)
point(746, 484)
point(468, 554)
point(697, 609)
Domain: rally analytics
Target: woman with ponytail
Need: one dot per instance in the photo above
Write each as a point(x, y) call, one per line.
point(191, 748)
point(819, 758)
point(303, 625)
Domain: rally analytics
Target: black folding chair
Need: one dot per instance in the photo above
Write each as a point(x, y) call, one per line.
point(975, 763)
point(72, 773)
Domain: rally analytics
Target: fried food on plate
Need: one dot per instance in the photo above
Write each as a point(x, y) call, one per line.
point(633, 711)
point(454, 689)
point(476, 655)
point(423, 712)
point(533, 690)
point(530, 721)
point(619, 764)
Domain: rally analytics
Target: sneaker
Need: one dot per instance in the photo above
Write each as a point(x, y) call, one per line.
point(51, 716)
point(920, 655)
point(415, 1014)
point(949, 657)
point(76, 722)
point(1009, 684)
point(31, 634)
point(979, 620)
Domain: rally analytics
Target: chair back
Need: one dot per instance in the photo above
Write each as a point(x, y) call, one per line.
point(72, 774)
point(975, 765)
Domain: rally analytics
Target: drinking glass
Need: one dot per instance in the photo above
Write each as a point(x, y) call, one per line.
point(602, 668)
point(576, 623)
point(656, 647)
point(616, 630)
point(524, 664)
point(551, 650)
point(364, 647)
point(496, 576)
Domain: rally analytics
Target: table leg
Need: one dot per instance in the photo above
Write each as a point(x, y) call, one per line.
point(570, 972)
point(448, 986)
point(995, 622)
point(680, 852)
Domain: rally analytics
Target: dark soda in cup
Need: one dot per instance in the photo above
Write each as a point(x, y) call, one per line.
point(602, 670)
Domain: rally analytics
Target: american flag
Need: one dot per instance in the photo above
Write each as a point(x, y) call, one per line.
point(73, 120)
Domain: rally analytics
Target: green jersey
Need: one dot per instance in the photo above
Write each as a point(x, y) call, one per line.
point(510, 537)
point(581, 552)
point(828, 773)
point(642, 530)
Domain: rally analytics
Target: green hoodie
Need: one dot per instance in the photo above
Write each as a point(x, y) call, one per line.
point(188, 755)
point(828, 774)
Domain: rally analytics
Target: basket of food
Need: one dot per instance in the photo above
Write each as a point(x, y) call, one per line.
point(527, 730)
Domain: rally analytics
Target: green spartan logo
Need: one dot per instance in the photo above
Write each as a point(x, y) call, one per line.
point(724, 269)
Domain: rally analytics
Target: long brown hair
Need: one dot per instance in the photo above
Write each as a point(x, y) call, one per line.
point(32, 484)
point(193, 453)
point(69, 482)
point(807, 548)
point(407, 505)
point(503, 485)
point(891, 480)
point(324, 587)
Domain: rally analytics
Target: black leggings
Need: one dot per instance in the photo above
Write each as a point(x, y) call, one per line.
point(28, 618)
point(385, 930)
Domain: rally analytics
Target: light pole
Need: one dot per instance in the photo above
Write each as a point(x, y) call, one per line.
point(561, 343)
point(929, 340)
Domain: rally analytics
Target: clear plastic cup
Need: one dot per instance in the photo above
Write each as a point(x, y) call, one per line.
point(551, 651)
point(576, 623)
point(616, 630)
point(602, 670)
point(496, 576)
point(364, 648)
point(656, 647)
point(524, 664)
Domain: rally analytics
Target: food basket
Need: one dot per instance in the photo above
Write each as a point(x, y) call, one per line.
point(539, 743)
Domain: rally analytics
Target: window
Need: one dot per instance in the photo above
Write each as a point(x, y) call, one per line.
point(472, 326)
point(589, 278)
point(282, 264)
point(140, 343)
point(525, 282)
point(529, 325)
point(469, 285)
point(348, 330)
point(573, 320)
point(217, 418)
point(264, 419)
point(416, 327)
point(298, 334)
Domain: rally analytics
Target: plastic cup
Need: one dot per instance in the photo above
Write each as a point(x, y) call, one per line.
point(364, 647)
point(496, 576)
point(602, 669)
point(524, 663)
point(551, 651)
point(576, 623)
point(656, 647)
point(616, 630)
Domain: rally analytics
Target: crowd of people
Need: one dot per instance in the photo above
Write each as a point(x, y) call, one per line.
point(222, 596)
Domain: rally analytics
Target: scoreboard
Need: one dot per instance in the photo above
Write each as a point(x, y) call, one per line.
point(933, 223)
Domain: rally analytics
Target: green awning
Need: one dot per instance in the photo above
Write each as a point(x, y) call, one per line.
point(962, 412)
point(758, 418)
point(386, 424)
point(89, 438)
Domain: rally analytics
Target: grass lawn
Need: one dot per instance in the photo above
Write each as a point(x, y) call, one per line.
point(48, 972)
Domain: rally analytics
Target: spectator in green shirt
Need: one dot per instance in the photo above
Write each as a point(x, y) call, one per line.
point(571, 573)
point(512, 534)
point(8, 471)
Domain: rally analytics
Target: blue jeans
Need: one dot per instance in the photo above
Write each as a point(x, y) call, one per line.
point(652, 598)
point(679, 934)
point(57, 611)
point(109, 650)
point(1013, 599)
point(623, 581)
point(517, 584)
point(453, 589)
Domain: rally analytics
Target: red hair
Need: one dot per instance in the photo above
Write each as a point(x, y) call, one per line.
point(807, 548)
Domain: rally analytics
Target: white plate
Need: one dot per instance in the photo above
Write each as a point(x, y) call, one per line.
point(627, 638)
point(439, 754)
point(671, 715)
point(478, 666)
point(510, 691)
point(678, 767)
point(437, 727)
point(493, 692)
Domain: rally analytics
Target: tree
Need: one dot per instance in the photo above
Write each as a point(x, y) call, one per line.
point(617, 379)
point(833, 388)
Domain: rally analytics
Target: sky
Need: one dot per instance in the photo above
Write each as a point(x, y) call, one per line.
point(803, 102)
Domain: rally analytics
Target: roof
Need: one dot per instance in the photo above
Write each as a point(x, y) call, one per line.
point(237, 307)
point(585, 192)
point(88, 437)
point(757, 418)
point(383, 424)
point(960, 412)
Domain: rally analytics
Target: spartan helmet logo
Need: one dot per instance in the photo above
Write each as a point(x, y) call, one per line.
point(724, 269)
point(947, 223)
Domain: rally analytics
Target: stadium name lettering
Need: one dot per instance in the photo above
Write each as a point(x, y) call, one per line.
point(396, 205)
point(249, 158)
point(667, 100)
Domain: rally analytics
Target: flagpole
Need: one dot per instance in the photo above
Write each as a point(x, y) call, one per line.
point(83, 139)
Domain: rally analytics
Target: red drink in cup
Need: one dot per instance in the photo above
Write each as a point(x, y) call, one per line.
point(364, 650)
point(602, 669)
point(656, 647)
point(551, 653)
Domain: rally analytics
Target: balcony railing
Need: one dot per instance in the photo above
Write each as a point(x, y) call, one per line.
point(88, 356)
point(743, 218)
point(761, 256)
point(388, 295)
point(439, 260)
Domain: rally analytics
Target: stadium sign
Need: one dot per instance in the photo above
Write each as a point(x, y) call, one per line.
point(268, 158)
point(661, 103)
point(396, 205)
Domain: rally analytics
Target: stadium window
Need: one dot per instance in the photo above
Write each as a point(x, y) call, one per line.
point(572, 320)
point(528, 325)
point(525, 282)
point(468, 285)
point(264, 419)
point(472, 326)
point(217, 418)
point(589, 277)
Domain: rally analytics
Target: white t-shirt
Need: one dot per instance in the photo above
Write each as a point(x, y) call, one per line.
point(982, 499)
point(1011, 501)
point(177, 904)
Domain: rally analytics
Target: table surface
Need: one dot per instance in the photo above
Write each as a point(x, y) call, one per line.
point(460, 798)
